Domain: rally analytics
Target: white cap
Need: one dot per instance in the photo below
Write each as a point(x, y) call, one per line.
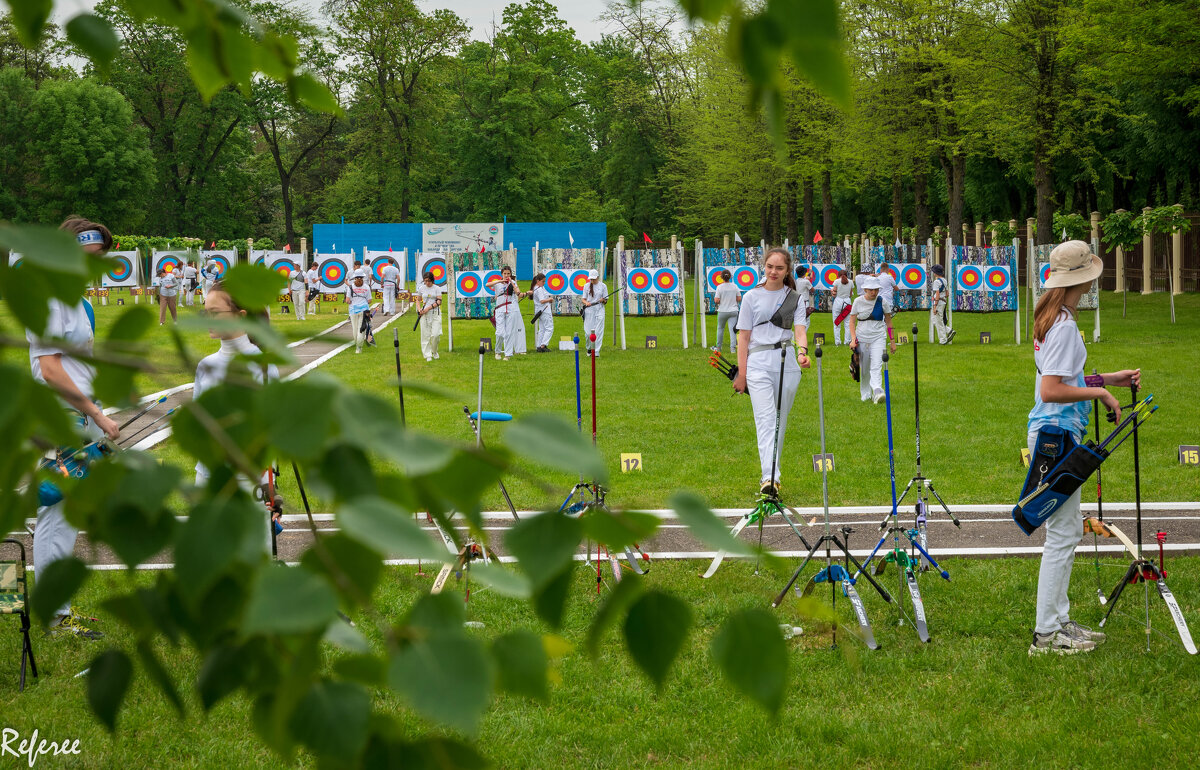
point(593, 275)
point(872, 283)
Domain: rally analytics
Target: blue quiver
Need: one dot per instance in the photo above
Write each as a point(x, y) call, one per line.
point(1058, 467)
point(68, 463)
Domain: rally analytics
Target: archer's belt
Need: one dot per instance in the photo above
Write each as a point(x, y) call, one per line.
point(776, 346)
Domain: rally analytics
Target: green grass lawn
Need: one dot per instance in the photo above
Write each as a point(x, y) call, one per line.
point(970, 697)
point(671, 407)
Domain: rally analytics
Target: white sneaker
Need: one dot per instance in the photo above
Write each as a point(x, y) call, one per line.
point(1076, 631)
point(428, 359)
point(878, 396)
point(1059, 643)
point(498, 356)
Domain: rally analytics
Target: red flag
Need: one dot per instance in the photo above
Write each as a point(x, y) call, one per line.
point(212, 245)
point(118, 246)
point(287, 248)
point(482, 248)
point(389, 247)
point(646, 238)
point(817, 238)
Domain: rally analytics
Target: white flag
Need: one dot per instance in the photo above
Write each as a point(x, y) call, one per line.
point(571, 238)
point(1064, 237)
point(736, 238)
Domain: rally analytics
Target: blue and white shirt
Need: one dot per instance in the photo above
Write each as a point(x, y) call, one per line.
point(1061, 354)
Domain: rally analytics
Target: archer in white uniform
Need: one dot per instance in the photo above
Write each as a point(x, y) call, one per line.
point(870, 330)
point(312, 281)
point(938, 306)
point(595, 297)
point(358, 296)
point(429, 307)
point(771, 322)
point(299, 287)
point(509, 324)
point(190, 283)
point(543, 315)
point(391, 279)
point(887, 290)
point(841, 303)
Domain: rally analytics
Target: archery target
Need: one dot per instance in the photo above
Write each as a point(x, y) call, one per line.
point(639, 280)
point(432, 263)
point(579, 281)
point(997, 278)
point(912, 277)
point(1044, 273)
point(172, 263)
point(378, 264)
point(284, 266)
point(556, 283)
point(122, 270)
point(332, 273)
point(666, 280)
point(828, 275)
point(468, 284)
point(713, 276)
point(891, 270)
point(491, 279)
point(746, 277)
point(802, 269)
point(970, 277)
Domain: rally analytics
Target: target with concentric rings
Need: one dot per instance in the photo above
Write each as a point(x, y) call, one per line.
point(556, 283)
point(639, 280)
point(997, 278)
point(970, 277)
point(579, 281)
point(746, 277)
point(666, 280)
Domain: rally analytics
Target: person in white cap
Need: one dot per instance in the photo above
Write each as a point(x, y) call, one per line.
point(870, 330)
point(1062, 397)
point(937, 306)
point(299, 289)
point(595, 297)
point(773, 317)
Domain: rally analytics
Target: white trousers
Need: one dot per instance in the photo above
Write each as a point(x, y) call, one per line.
point(762, 385)
point(870, 362)
point(593, 322)
point(839, 304)
point(543, 330)
point(389, 298)
point(1064, 529)
point(431, 332)
point(506, 331)
point(299, 305)
point(727, 320)
point(938, 324)
point(54, 538)
point(206, 287)
point(356, 330)
point(189, 293)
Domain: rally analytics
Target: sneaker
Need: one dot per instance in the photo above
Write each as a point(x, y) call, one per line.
point(878, 396)
point(769, 489)
point(436, 356)
point(950, 336)
point(498, 356)
point(1059, 643)
point(1076, 631)
point(71, 625)
point(428, 359)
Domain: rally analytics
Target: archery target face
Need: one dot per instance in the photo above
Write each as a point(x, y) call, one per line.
point(666, 280)
point(579, 281)
point(437, 266)
point(829, 275)
point(997, 278)
point(970, 277)
point(746, 277)
point(222, 263)
point(802, 269)
point(377, 266)
point(491, 280)
point(284, 266)
point(1044, 273)
point(639, 280)
point(468, 284)
point(912, 277)
point(122, 269)
point(556, 283)
point(170, 263)
point(891, 270)
point(332, 273)
point(713, 276)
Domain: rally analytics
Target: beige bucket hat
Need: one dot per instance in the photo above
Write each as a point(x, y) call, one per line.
point(1071, 264)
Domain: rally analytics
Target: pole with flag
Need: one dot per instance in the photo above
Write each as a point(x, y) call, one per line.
point(737, 238)
point(646, 238)
point(817, 237)
point(571, 239)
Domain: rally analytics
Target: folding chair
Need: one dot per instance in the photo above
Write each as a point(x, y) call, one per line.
point(14, 600)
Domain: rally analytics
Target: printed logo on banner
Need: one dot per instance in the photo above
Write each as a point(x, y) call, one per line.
point(913, 277)
point(970, 277)
point(468, 284)
point(666, 280)
point(713, 276)
point(998, 278)
point(639, 280)
point(556, 282)
point(579, 281)
point(829, 275)
point(746, 277)
point(333, 273)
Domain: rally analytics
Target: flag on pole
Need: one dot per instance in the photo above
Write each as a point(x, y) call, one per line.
point(389, 247)
point(646, 238)
point(287, 248)
point(482, 248)
point(817, 237)
point(1064, 237)
point(737, 238)
point(571, 238)
point(212, 245)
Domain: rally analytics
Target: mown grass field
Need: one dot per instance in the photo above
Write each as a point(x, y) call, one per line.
point(970, 697)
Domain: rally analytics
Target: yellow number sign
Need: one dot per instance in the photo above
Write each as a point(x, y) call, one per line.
point(631, 461)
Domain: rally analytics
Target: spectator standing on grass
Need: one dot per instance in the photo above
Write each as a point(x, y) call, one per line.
point(937, 306)
point(870, 329)
point(70, 331)
point(728, 299)
point(429, 303)
point(168, 288)
point(773, 317)
point(1062, 398)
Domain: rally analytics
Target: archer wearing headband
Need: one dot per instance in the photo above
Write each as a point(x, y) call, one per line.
point(70, 331)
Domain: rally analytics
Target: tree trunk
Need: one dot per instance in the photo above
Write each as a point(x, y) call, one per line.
point(764, 224)
point(792, 225)
point(808, 211)
point(956, 168)
point(897, 207)
point(921, 202)
point(1043, 182)
point(826, 204)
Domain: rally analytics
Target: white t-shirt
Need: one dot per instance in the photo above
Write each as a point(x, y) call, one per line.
point(805, 287)
point(866, 329)
point(842, 289)
point(311, 278)
point(213, 369)
point(939, 285)
point(594, 293)
point(859, 280)
point(1062, 354)
point(359, 297)
point(212, 271)
point(297, 280)
point(168, 286)
point(758, 305)
point(189, 274)
point(727, 296)
point(540, 295)
point(887, 289)
point(70, 324)
point(428, 294)
point(391, 274)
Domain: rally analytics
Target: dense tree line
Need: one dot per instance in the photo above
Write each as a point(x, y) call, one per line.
point(958, 111)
